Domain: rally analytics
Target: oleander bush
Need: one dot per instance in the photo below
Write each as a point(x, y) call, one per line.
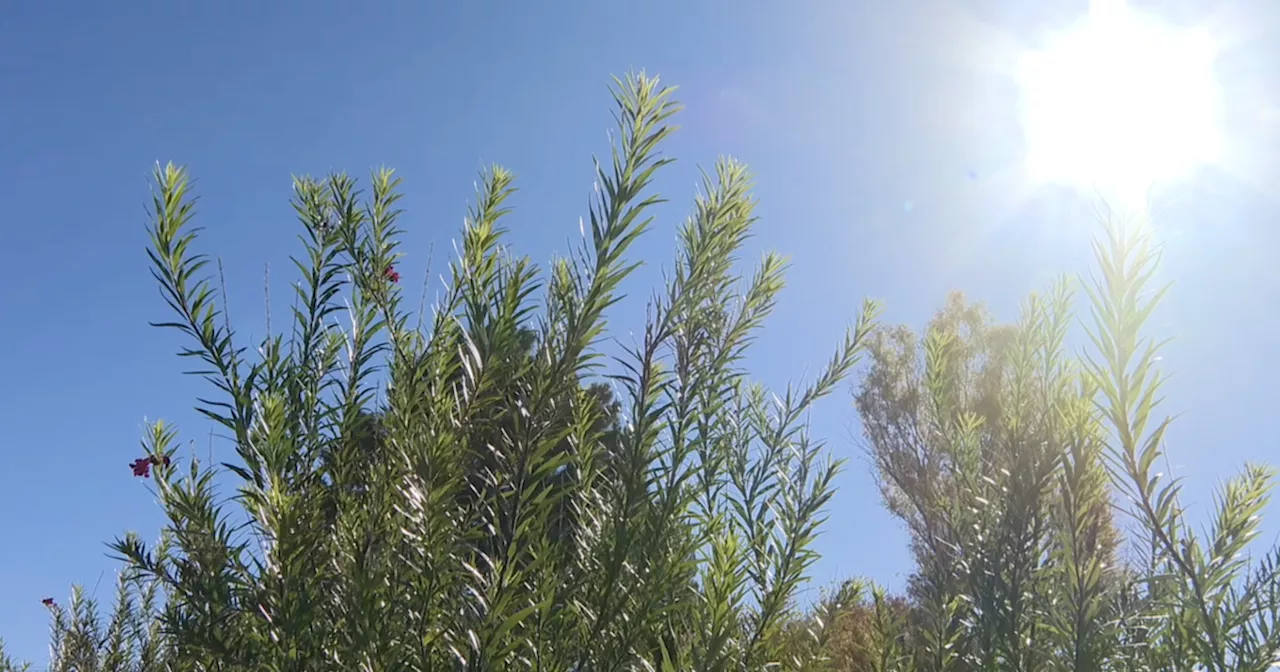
point(482, 489)
point(468, 493)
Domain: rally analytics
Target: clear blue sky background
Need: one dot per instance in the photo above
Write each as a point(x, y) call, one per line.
point(884, 140)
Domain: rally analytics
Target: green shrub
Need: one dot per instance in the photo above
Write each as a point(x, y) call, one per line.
point(485, 493)
point(492, 507)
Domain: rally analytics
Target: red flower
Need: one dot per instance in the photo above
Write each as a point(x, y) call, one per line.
point(48, 602)
point(141, 467)
point(391, 274)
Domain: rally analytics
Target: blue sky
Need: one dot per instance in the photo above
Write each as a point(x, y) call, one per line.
point(884, 143)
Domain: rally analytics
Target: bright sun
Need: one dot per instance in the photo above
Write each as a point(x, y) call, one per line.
point(1120, 102)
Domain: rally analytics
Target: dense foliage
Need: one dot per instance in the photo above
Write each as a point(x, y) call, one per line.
point(485, 491)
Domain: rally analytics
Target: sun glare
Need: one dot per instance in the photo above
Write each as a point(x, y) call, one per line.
point(1120, 102)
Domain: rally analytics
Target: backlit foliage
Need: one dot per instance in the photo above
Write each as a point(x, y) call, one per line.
point(481, 489)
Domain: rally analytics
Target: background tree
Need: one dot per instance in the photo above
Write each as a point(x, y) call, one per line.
point(895, 406)
point(986, 447)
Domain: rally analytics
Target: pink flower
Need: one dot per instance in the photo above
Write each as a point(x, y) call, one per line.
point(391, 274)
point(141, 467)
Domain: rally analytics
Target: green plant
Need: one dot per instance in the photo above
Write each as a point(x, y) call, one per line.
point(487, 492)
point(490, 507)
point(1202, 603)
